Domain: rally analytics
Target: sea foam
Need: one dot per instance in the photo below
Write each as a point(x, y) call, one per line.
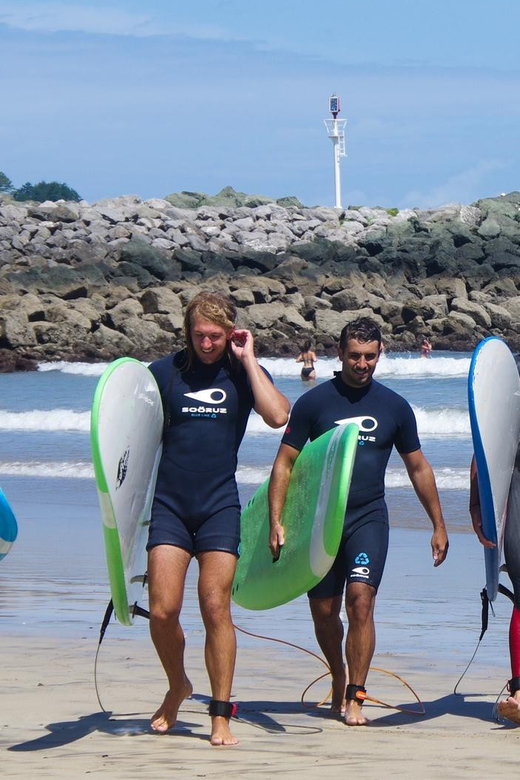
point(389, 366)
point(51, 420)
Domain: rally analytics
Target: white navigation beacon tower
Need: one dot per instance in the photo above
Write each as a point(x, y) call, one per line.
point(336, 132)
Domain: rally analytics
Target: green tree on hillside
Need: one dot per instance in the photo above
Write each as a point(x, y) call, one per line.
point(46, 190)
point(6, 185)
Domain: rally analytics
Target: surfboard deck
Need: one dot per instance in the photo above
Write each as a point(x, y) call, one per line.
point(8, 526)
point(494, 411)
point(313, 517)
point(126, 436)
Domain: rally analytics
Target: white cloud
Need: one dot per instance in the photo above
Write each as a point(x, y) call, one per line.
point(462, 187)
point(63, 17)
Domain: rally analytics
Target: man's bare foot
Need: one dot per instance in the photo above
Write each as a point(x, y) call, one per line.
point(166, 716)
point(339, 710)
point(510, 709)
point(338, 704)
point(221, 733)
point(354, 714)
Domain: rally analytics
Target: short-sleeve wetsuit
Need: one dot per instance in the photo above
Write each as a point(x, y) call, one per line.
point(196, 504)
point(385, 420)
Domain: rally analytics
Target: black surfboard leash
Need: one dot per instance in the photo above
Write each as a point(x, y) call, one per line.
point(136, 611)
point(486, 606)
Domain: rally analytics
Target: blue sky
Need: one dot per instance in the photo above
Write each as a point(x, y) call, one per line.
point(148, 98)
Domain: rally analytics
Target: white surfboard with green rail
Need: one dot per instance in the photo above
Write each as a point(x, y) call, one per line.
point(313, 517)
point(126, 436)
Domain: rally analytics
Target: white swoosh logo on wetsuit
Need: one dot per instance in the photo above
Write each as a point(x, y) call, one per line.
point(366, 424)
point(214, 395)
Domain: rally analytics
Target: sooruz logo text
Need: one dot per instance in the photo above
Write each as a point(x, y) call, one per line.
point(203, 410)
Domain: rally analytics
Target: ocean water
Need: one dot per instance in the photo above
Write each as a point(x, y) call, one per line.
point(45, 419)
point(54, 579)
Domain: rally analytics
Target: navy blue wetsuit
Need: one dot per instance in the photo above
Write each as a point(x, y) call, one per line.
point(512, 533)
point(385, 420)
point(196, 504)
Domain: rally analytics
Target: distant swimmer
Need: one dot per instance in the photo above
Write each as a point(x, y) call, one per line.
point(308, 358)
point(426, 348)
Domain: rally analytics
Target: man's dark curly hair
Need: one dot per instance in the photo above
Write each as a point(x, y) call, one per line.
point(363, 329)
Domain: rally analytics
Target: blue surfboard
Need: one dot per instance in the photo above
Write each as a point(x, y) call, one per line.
point(494, 411)
point(8, 526)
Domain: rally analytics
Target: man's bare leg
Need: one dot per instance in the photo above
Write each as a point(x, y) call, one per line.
point(510, 707)
point(360, 645)
point(217, 570)
point(329, 634)
point(167, 567)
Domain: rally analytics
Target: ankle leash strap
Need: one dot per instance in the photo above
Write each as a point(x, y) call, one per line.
point(514, 685)
point(356, 692)
point(224, 709)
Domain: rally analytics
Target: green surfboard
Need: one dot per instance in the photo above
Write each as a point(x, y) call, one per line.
point(126, 435)
point(313, 518)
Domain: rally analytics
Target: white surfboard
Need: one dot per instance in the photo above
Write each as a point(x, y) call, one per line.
point(126, 436)
point(494, 409)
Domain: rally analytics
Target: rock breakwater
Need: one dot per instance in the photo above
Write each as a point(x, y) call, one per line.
point(82, 281)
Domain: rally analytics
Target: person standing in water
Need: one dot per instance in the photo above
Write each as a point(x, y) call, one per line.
point(308, 358)
point(426, 348)
point(208, 390)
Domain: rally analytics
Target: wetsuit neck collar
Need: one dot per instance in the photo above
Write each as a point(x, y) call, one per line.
point(209, 368)
point(352, 393)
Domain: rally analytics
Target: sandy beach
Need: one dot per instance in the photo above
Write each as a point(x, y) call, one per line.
point(52, 724)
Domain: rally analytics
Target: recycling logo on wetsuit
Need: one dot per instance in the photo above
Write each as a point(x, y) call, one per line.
point(362, 560)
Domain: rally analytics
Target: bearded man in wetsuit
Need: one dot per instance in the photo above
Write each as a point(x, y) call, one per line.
point(385, 420)
point(208, 390)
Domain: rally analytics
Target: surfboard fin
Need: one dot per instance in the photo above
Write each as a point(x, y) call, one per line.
point(485, 613)
point(106, 621)
point(137, 610)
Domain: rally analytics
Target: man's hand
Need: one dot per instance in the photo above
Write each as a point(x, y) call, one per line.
point(242, 344)
point(476, 519)
point(440, 546)
point(276, 540)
